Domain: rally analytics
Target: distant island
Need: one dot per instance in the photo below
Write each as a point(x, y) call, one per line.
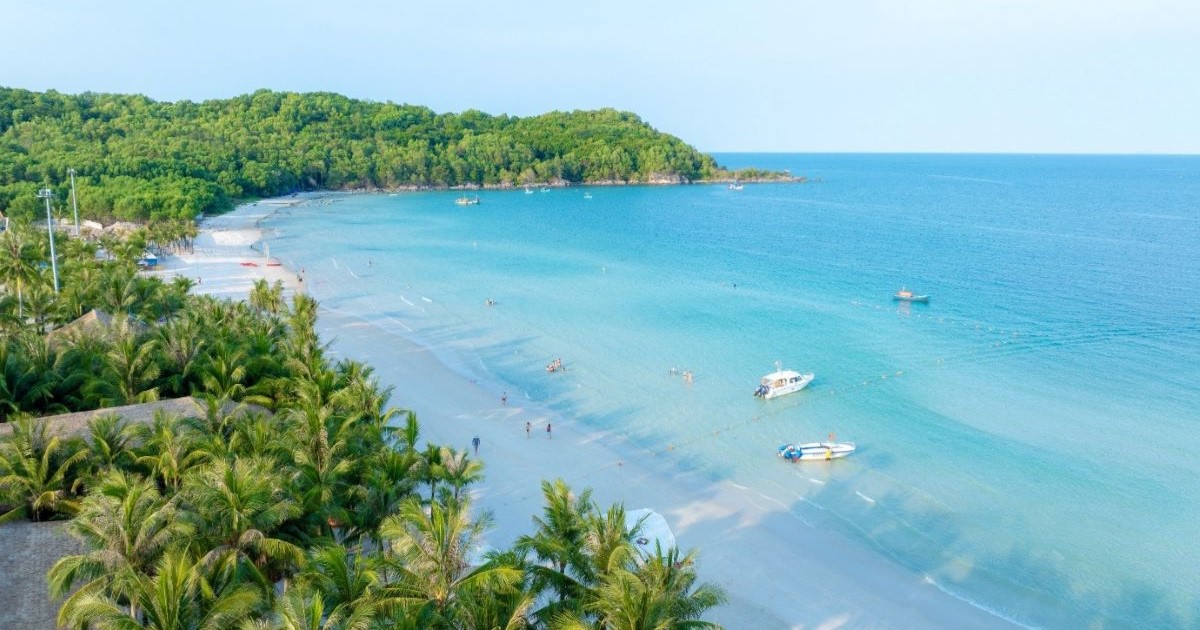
point(142, 160)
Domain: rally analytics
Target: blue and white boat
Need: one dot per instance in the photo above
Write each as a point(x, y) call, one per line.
point(810, 451)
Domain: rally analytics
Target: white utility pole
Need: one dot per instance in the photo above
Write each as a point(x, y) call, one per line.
point(46, 194)
point(74, 201)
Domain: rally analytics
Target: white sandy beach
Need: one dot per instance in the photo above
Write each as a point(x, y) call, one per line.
point(222, 262)
point(778, 571)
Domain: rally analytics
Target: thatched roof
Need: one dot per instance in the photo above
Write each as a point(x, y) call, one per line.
point(27, 551)
point(94, 322)
point(75, 424)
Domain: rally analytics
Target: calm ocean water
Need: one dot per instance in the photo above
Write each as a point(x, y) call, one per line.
point(1028, 440)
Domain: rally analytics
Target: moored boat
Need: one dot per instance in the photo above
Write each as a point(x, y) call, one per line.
point(467, 201)
point(782, 382)
point(904, 295)
point(809, 451)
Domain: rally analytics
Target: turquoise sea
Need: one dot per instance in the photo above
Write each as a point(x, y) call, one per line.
point(1029, 440)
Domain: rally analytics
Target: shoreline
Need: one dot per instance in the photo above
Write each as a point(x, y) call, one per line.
point(226, 253)
point(777, 570)
point(299, 197)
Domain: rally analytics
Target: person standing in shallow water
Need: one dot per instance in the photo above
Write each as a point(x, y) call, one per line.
point(504, 399)
point(548, 430)
point(528, 426)
point(475, 443)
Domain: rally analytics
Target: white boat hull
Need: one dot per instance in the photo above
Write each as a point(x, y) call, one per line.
point(784, 387)
point(816, 451)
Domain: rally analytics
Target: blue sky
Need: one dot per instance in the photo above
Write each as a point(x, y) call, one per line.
point(1092, 76)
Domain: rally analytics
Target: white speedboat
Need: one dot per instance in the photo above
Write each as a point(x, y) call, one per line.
point(815, 450)
point(782, 382)
point(467, 201)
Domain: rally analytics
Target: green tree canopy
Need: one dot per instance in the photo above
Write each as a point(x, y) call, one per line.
point(139, 159)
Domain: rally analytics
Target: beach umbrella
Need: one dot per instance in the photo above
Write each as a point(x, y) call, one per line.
point(654, 533)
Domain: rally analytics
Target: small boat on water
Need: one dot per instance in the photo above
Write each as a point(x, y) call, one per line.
point(904, 295)
point(528, 190)
point(809, 451)
point(736, 186)
point(782, 382)
point(467, 201)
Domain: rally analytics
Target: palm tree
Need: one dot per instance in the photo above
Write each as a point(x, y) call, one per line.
point(427, 569)
point(660, 593)
point(256, 436)
point(460, 470)
point(304, 608)
point(126, 525)
point(10, 376)
point(559, 539)
point(181, 344)
point(39, 476)
point(82, 357)
point(217, 420)
point(431, 469)
point(267, 298)
point(118, 292)
point(224, 374)
point(347, 584)
point(79, 289)
point(608, 545)
point(502, 608)
point(40, 302)
point(390, 479)
point(16, 265)
point(26, 382)
point(323, 463)
point(109, 445)
point(39, 377)
point(240, 506)
point(127, 374)
point(169, 449)
point(180, 594)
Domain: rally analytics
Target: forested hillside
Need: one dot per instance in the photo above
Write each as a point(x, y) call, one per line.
point(141, 159)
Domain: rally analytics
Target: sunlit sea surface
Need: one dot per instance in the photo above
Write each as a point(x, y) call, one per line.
point(1029, 440)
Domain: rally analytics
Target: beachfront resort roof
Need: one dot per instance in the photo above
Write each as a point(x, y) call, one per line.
point(75, 424)
point(94, 322)
point(27, 551)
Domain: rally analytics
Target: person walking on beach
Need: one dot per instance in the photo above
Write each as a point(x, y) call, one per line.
point(475, 443)
point(548, 436)
point(528, 426)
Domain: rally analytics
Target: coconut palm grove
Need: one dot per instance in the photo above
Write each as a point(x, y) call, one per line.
point(295, 498)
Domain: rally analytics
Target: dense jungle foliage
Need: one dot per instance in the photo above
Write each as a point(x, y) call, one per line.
point(138, 159)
